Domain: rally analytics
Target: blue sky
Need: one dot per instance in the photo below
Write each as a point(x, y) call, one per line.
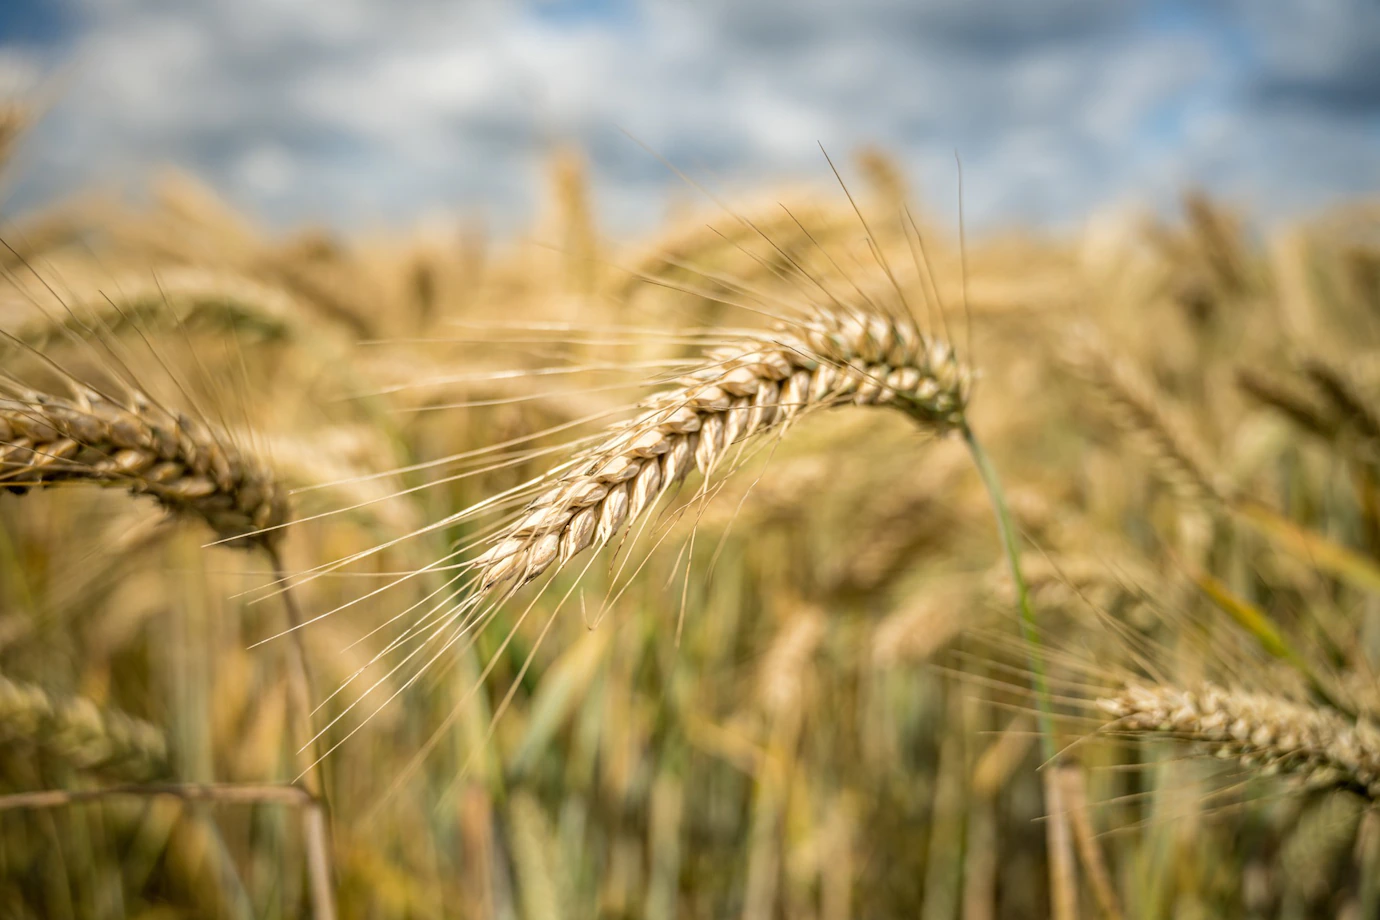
point(355, 113)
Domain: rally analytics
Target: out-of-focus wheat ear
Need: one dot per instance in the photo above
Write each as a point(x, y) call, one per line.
point(1286, 397)
point(50, 228)
point(1261, 733)
point(922, 627)
point(46, 440)
point(336, 471)
point(15, 117)
point(1181, 459)
point(887, 188)
point(791, 225)
point(575, 221)
point(80, 734)
point(1337, 413)
point(173, 299)
point(1219, 239)
point(1353, 409)
point(1062, 579)
point(335, 295)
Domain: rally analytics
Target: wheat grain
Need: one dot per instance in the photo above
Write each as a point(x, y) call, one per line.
point(1260, 731)
point(739, 391)
point(46, 439)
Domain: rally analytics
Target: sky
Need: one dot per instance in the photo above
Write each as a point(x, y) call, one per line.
point(357, 113)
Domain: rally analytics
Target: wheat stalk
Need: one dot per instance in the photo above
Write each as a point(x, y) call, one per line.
point(739, 391)
point(46, 440)
point(1262, 732)
point(79, 733)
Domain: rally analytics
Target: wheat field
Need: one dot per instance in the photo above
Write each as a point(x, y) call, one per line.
point(435, 575)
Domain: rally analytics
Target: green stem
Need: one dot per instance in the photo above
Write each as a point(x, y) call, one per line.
point(1031, 635)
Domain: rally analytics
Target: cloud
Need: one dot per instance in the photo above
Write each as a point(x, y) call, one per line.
point(1316, 56)
point(351, 111)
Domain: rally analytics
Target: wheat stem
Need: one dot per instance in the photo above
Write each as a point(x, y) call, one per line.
point(315, 816)
point(1063, 871)
point(1073, 783)
point(1029, 631)
point(221, 793)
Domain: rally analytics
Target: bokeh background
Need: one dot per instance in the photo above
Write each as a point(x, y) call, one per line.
point(298, 222)
point(351, 112)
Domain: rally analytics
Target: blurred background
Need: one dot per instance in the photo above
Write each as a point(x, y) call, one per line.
point(354, 113)
point(297, 221)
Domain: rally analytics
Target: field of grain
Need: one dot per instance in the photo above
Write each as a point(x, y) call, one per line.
point(293, 623)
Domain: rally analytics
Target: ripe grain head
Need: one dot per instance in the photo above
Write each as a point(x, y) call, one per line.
point(1260, 731)
point(142, 447)
point(736, 392)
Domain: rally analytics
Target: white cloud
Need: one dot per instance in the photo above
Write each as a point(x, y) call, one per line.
point(351, 111)
point(267, 170)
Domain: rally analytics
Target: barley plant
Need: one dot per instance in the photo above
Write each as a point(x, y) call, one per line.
point(432, 575)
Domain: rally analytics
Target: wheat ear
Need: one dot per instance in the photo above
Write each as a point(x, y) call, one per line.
point(15, 118)
point(137, 445)
point(46, 440)
point(175, 297)
point(1290, 400)
point(1182, 460)
point(1262, 732)
point(739, 391)
point(80, 734)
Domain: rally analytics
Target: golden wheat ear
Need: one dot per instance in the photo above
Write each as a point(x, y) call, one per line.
point(1264, 733)
point(136, 445)
point(738, 391)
